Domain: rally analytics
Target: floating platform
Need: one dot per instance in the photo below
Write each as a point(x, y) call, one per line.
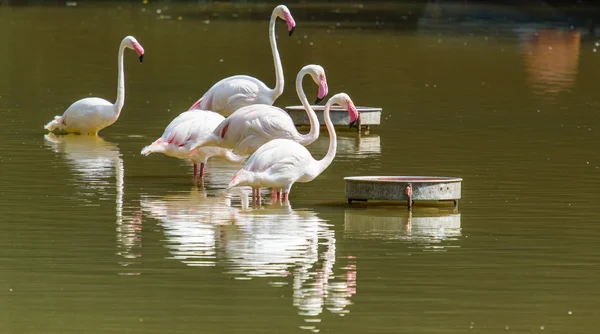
point(339, 116)
point(403, 188)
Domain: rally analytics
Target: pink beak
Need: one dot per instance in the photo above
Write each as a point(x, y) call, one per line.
point(290, 22)
point(137, 47)
point(323, 90)
point(353, 113)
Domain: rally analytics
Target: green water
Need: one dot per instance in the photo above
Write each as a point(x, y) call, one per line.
point(99, 239)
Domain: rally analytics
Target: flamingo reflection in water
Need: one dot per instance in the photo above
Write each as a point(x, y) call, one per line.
point(274, 242)
point(279, 242)
point(193, 222)
point(95, 162)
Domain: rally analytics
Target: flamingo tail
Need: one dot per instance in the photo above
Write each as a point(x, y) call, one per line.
point(56, 124)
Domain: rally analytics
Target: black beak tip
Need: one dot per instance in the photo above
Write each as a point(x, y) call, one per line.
point(352, 124)
point(318, 100)
point(141, 59)
point(292, 31)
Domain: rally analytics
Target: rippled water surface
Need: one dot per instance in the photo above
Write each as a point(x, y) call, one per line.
point(97, 238)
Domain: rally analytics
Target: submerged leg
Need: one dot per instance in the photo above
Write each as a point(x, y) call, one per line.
point(256, 196)
point(286, 192)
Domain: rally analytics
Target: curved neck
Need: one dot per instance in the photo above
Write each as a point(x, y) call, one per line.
point(279, 81)
point(313, 134)
point(328, 158)
point(120, 82)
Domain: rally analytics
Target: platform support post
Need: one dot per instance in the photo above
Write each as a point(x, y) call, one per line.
point(408, 192)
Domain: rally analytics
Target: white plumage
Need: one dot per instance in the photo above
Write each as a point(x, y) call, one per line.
point(280, 163)
point(183, 131)
point(92, 114)
point(249, 127)
point(232, 93)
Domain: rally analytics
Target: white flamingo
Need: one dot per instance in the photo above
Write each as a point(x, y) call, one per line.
point(249, 127)
point(232, 93)
point(92, 114)
point(183, 131)
point(280, 163)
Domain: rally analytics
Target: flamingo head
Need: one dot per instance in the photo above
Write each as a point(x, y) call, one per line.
point(344, 100)
point(284, 13)
point(318, 74)
point(132, 43)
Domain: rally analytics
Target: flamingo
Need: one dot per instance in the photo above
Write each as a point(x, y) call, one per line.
point(281, 162)
point(92, 114)
point(232, 93)
point(183, 131)
point(249, 127)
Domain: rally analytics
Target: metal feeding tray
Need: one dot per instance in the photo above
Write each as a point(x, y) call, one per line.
point(403, 188)
point(339, 116)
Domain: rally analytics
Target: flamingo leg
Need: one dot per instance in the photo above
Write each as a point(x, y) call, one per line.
point(275, 196)
point(195, 170)
point(202, 170)
point(286, 192)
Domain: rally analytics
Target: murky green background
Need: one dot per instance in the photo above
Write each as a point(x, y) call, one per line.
point(96, 238)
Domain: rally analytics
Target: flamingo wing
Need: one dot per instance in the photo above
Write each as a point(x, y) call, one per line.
point(230, 94)
point(88, 114)
point(273, 125)
point(279, 157)
point(184, 130)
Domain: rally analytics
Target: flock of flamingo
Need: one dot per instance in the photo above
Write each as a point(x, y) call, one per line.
point(234, 119)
